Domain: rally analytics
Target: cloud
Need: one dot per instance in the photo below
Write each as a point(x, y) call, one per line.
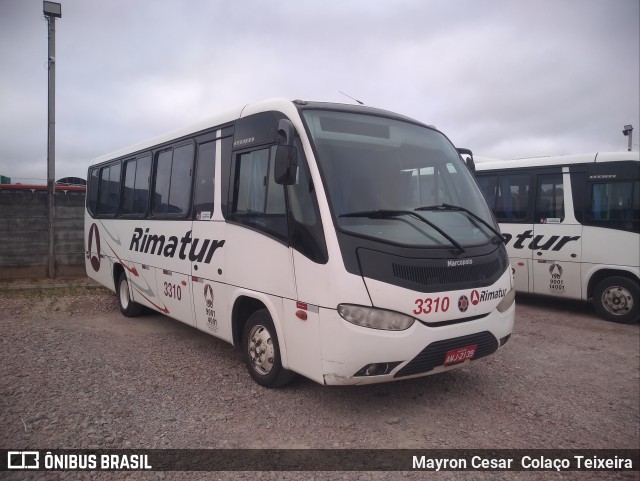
point(506, 79)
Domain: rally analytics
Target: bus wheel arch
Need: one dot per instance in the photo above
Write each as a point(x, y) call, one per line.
point(261, 351)
point(601, 274)
point(128, 306)
point(117, 271)
point(248, 315)
point(243, 307)
point(616, 297)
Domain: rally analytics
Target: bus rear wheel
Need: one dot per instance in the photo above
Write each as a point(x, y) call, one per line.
point(262, 352)
point(128, 307)
point(617, 299)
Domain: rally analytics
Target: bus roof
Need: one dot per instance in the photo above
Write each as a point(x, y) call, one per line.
point(558, 160)
point(219, 119)
point(280, 104)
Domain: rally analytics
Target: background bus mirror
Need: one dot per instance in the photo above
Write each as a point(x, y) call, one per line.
point(287, 131)
point(469, 160)
point(286, 168)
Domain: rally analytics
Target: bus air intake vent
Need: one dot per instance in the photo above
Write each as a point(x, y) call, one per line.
point(436, 274)
point(430, 275)
point(433, 355)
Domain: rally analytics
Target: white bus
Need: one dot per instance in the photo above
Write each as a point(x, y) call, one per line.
point(572, 225)
point(347, 244)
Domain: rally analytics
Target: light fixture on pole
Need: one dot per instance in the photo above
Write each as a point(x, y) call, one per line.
point(52, 10)
point(627, 131)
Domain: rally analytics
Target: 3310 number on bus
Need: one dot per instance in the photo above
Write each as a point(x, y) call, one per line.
point(173, 291)
point(431, 305)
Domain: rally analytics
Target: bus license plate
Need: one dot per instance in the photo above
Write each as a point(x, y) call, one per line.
point(461, 354)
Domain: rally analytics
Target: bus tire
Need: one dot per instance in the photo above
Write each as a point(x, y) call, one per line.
point(128, 307)
point(261, 351)
point(617, 299)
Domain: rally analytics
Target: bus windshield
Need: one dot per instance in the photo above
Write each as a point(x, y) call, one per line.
point(398, 182)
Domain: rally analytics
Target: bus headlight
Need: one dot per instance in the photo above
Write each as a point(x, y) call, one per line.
point(375, 318)
point(506, 301)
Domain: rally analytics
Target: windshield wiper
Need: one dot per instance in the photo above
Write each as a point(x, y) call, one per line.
point(444, 207)
point(388, 214)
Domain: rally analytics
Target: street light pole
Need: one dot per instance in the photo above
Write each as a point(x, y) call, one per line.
point(628, 131)
point(52, 11)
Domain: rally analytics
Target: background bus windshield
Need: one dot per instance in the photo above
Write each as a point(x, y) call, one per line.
point(386, 177)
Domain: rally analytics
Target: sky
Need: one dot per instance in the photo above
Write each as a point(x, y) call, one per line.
point(505, 78)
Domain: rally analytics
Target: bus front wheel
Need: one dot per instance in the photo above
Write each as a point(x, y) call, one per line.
point(128, 307)
point(617, 299)
point(262, 351)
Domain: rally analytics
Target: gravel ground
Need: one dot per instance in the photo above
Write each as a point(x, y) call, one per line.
point(76, 374)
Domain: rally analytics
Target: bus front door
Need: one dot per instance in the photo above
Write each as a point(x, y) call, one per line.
point(556, 242)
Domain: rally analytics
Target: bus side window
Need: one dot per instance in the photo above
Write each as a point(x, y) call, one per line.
point(92, 191)
point(615, 203)
point(203, 195)
point(507, 196)
point(172, 187)
point(128, 187)
point(258, 201)
point(141, 187)
point(550, 199)
point(109, 196)
point(488, 185)
point(635, 202)
point(599, 202)
point(513, 198)
point(135, 195)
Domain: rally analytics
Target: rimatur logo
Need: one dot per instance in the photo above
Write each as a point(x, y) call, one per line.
point(555, 269)
point(212, 322)
point(168, 246)
point(475, 297)
point(95, 260)
point(208, 295)
point(23, 460)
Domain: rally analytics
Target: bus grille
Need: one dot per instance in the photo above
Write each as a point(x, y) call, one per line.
point(433, 274)
point(429, 275)
point(433, 355)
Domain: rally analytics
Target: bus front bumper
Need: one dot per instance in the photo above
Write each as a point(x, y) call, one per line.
point(358, 355)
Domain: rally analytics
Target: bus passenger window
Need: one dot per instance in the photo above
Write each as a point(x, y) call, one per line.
point(129, 184)
point(513, 198)
point(92, 191)
point(550, 199)
point(172, 190)
point(135, 195)
point(163, 179)
point(203, 195)
point(488, 185)
point(141, 189)
point(109, 190)
point(507, 195)
point(615, 203)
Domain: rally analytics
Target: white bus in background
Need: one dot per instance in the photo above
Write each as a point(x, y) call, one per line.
point(572, 225)
point(348, 244)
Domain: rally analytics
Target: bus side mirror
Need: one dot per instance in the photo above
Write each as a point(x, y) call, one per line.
point(469, 160)
point(286, 167)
